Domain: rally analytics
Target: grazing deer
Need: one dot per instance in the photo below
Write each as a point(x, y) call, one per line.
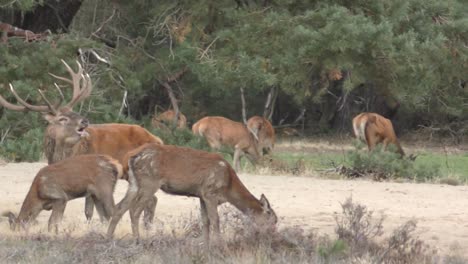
point(374, 129)
point(165, 119)
point(75, 177)
point(69, 133)
point(264, 131)
point(188, 172)
point(220, 131)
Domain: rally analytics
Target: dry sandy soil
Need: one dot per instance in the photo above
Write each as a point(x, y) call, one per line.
point(441, 210)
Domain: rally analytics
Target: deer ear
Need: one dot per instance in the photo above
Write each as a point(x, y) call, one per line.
point(49, 117)
point(264, 201)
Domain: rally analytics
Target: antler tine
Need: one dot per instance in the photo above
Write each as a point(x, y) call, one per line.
point(36, 108)
point(80, 84)
point(11, 106)
point(51, 107)
point(62, 97)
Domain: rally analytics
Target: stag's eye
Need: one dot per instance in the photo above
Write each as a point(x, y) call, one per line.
point(63, 119)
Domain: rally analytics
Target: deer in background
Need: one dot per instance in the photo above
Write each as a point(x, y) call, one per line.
point(265, 132)
point(75, 177)
point(220, 131)
point(374, 129)
point(188, 172)
point(167, 118)
point(69, 134)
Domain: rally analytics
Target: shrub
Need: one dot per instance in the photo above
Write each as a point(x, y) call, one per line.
point(181, 137)
point(26, 148)
point(387, 164)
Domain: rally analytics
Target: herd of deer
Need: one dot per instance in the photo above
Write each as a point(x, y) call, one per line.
point(86, 160)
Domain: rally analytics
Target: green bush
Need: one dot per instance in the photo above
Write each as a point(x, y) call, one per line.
point(28, 147)
point(388, 164)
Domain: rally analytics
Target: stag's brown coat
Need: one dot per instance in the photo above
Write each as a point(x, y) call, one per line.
point(189, 172)
point(374, 129)
point(75, 177)
point(220, 131)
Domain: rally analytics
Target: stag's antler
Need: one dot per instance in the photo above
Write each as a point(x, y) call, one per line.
point(81, 89)
point(24, 105)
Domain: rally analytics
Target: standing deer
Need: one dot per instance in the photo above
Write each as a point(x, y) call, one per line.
point(220, 131)
point(189, 172)
point(75, 177)
point(69, 133)
point(374, 129)
point(165, 119)
point(264, 131)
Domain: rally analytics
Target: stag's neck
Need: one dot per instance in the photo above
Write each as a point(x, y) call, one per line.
point(240, 197)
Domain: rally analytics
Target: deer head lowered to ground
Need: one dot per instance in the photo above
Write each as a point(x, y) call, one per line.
point(188, 172)
point(167, 118)
point(374, 129)
point(264, 131)
point(56, 184)
point(69, 133)
point(220, 131)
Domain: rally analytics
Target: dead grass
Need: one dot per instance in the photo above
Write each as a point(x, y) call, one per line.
point(243, 242)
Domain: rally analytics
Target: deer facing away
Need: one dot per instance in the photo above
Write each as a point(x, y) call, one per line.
point(188, 172)
point(75, 177)
point(69, 134)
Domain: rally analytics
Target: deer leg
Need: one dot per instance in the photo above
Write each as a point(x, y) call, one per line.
point(89, 207)
point(127, 202)
point(236, 160)
point(57, 213)
point(141, 201)
point(104, 197)
point(205, 221)
point(212, 210)
point(149, 212)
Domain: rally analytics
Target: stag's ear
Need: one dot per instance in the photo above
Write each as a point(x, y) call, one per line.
point(49, 117)
point(264, 201)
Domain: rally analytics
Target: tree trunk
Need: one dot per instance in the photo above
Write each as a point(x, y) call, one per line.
point(244, 114)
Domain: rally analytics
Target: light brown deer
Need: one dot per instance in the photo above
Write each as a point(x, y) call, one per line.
point(264, 131)
point(69, 133)
point(166, 118)
point(375, 129)
point(188, 172)
point(75, 177)
point(220, 131)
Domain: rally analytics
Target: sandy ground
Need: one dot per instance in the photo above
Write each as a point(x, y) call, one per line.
point(441, 210)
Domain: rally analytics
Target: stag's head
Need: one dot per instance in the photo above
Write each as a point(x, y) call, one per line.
point(65, 127)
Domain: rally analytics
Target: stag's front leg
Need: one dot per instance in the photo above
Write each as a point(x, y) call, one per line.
point(89, 207)
point(57, 213)
point(205, 221)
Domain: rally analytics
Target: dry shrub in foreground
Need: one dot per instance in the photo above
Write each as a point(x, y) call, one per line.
point(359, 241)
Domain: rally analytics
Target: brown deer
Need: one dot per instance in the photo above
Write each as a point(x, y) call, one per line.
point(188, 172)
point(69, 133)
point(166, 118)
point(374, 129)
point(75, 177)
point(264, 131)
point(220, 131)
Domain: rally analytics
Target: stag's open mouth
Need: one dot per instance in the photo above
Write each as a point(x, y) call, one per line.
point(81, 131)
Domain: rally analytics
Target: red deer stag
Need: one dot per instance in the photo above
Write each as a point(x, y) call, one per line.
point(264, 131)
point(165, 119)
point(69, 133)
point(75, 177)
point(220, 131)
point(188, 172)
point(374, 129)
